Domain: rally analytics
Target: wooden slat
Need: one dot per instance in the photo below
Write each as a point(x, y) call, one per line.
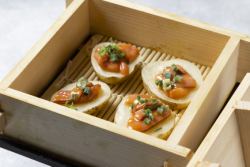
point(81, 66)
point(243, 116)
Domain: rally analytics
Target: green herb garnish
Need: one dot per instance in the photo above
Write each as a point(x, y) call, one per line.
point(149, 114)
point(177, 78)
point(174, 67)
point(70, 105)
point(86, 91)
point(82, 83)
point(113, 51)
point(157, 129)
point(161, 109)
point(147, 121)
point(159, 82)
point(167, 75)
point(132, 105)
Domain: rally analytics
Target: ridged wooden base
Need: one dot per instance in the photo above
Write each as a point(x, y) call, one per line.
point(81, 66)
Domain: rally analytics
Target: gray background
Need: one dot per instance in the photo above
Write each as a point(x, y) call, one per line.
point(23, 22)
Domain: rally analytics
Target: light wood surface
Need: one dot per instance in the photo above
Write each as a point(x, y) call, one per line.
point(92, 140)
point(208, 102)
point(165, 34)
point(223, 142)
point(207, 164)
point(243, 118)
point(87, 139)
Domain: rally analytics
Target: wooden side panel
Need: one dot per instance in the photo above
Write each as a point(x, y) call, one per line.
point(2, 122)
point(244, 124)
point(46, 58)
point(207, 164)
point(244, 59)
point(207, 103)
point(129, 23)
point(226, 149)
point(66, 133)
point(222, 144)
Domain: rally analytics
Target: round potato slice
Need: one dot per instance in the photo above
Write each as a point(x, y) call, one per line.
point(152, 69)
point(112, 77)
point(96, 104)
point(161, 130)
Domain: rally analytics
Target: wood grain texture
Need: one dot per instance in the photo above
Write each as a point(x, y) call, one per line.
point(2, 122)
point(85, 138)
point(48, 56)
point(243, 117)
point(209, 100)
point(80, 66)
point(222, 143)
point(207, 164)
point(95, 141)
point(244, 59)
point(173, 37)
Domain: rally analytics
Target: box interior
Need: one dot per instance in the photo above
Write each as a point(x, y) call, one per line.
point(83, 20)
point(126, 24)
point(103, 17)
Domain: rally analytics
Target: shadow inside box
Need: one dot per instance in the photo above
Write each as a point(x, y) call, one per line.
point(36, 154)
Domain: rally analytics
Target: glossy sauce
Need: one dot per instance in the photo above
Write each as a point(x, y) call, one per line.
point(65, 96)
point(182, 87)
point(122, 65)
point(138, 113)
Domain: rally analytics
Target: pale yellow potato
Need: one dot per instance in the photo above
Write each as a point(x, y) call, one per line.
point(152, 69)
point(96, 104)
point(113, 77)
point(161, 130)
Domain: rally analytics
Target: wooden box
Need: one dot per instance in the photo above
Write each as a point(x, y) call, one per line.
point(228, 141)
point(93, 139)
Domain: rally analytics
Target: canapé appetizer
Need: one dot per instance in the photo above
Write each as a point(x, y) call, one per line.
point(113, 62)
point(174, 81)
point(146, 114)
point(84, 96)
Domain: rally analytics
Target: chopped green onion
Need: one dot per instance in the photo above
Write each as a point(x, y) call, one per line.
point(157, 129)
point(149, 114)
point(161, 109)
point(86, 91)
point(113, 51)
point(82, 83)
point(177, 78)
point(138, 98)
point(70, 105)
point(159, 82)
point(174, 67)
point(132, 105)
point(168, 75)
point(147, 121)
